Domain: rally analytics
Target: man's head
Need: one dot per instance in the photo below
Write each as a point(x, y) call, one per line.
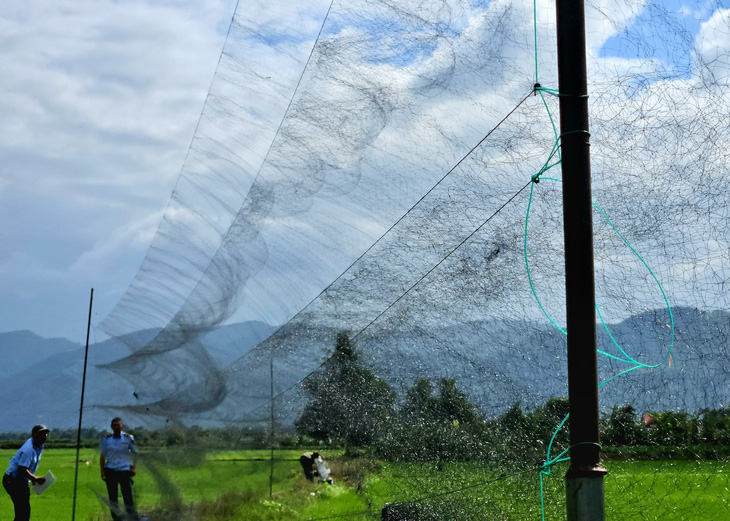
point(117, 426)
point(39, 434)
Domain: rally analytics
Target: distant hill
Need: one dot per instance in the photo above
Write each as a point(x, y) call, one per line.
point(496, 362)
point(41, 378)
point(527, 362)
point(20, 350)
point(501, 362)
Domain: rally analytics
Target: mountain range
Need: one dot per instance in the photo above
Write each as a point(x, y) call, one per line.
point(496, 362)
point(41, 379)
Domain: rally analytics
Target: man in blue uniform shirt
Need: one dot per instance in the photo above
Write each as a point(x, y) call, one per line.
point(118, 465)
point(22, 470)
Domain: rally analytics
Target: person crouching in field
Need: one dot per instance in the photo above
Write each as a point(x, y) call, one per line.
point(322, 471)
point(313, 465)
point(307, 461)
point(118, 465)
point(22, 470)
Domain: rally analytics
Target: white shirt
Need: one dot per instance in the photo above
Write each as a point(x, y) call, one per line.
point(118, 451)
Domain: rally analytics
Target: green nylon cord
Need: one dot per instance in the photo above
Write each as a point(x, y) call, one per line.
point(534, 18)
point(546, 468)
point(554, 92)
point(527, 264)
point(536, 178)
point(634, 364)
point(626, 358)
point(653, 276)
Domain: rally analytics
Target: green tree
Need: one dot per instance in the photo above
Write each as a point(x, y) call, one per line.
point(454, 405)
point(419, 402)
point(715, 426)
point(451, 406)
point(513, 419)
point(623, 427)
point(673, 429)
point(346, 400)
point(437, 426)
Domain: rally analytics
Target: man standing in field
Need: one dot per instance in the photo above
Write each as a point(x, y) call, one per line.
point(22, 470)
point(118, 465)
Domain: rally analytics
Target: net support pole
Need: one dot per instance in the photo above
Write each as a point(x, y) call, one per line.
point(584, 480)
point(271, 435)
point(81, 406)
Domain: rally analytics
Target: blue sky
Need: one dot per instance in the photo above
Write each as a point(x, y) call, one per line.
point(644, 36)
point(100, 101)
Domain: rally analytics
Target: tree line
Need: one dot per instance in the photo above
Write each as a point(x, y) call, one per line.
point(436, 421)
point(347, 405)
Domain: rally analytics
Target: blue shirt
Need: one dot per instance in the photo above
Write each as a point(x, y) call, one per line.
point(27, 456)
point(118, 451)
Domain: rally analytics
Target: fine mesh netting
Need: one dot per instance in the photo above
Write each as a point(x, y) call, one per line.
point(364, 250)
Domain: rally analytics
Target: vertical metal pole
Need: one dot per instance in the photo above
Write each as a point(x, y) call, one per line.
point(584, 480)
point(271, 473)
point(81, 407)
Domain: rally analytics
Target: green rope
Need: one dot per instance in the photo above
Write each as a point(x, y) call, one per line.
point(554, 92)
point(653, 276)
point(534, 17)
point(527, 263)
point(626, 358)
point(575, 132)
point(545, 468)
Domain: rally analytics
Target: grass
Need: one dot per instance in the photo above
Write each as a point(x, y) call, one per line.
point(178, 485)
point(691, 490)
point(57, 502)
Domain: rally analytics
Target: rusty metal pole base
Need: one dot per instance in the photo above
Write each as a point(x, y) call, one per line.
point(584, 491)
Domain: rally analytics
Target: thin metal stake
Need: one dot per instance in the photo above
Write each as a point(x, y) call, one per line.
point(81, 407)
point(271, 474)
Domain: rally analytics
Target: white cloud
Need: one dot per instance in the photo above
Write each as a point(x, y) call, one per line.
point(713, 44)
point(92, 73)
point(135, 235)
point(100, 100)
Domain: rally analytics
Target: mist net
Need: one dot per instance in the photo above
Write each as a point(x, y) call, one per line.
point(364, 255)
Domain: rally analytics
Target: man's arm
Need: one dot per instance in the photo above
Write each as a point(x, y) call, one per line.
point(23, 472)
point(102, 461)
point(133, 456)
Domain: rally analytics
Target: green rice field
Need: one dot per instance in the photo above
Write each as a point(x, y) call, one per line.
point(235, 485)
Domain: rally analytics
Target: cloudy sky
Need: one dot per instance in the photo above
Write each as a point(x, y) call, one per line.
point(100, 103)
point(101, 100)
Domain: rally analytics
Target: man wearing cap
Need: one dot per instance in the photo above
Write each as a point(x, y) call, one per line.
point(118, 465)
point(22, 470)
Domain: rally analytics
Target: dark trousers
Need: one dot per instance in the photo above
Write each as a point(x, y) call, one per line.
point(308, 467)
point(17, 489)
point(115, 480)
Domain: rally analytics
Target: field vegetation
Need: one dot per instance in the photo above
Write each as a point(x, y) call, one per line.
point(234, 485)
point(425, 456)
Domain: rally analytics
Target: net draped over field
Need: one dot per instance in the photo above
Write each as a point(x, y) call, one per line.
point(370, 167)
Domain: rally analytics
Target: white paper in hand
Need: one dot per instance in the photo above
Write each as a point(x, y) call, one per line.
point(50, 480)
